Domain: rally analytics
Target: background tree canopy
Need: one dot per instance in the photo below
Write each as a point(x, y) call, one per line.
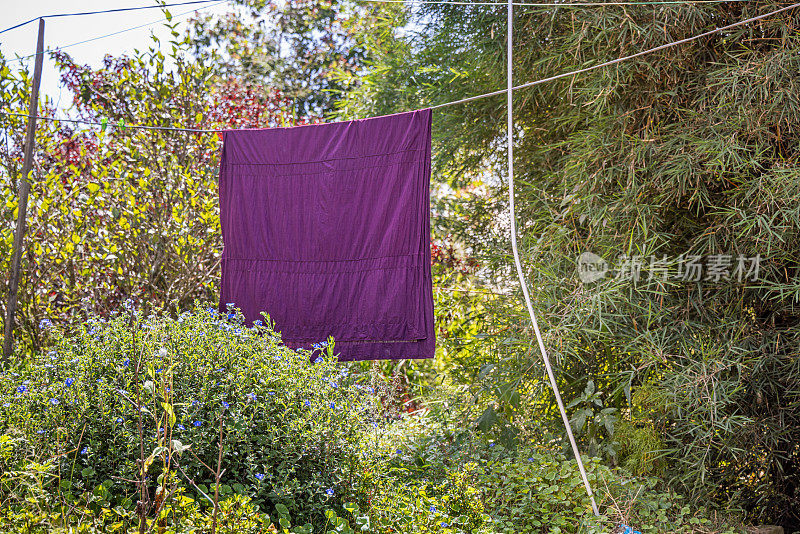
point(681, 158)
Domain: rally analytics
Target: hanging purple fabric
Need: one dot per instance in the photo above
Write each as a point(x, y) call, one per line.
point(326, 228)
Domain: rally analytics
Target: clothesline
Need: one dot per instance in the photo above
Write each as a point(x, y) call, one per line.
point(463, 100)
point(124, 30)
point(115, 10)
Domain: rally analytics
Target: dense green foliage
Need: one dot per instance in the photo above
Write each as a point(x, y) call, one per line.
point(283, 439)
point(306, 442)
point(686, 152)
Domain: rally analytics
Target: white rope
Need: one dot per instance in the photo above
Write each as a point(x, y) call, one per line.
point(523, 283)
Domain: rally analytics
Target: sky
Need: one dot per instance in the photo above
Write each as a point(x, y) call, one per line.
point(68, 30)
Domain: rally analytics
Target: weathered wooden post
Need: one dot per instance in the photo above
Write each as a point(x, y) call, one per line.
point(24, 189)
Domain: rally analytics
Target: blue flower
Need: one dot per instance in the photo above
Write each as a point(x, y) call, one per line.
point(530, 459)
point(230, 305)
point(231, 315)
point(445, 525)
point(197, 423)
point(333, 406)
point(6, 405)
point(54, 401)
point(195, 402)
point(260, 476)
point(258, 322)
point(318, 359)
point(371, 390)
point(307, 403)
point(432, 509)
point(119, 419)
point(41, 431)
point(181, 427)
point(45, 323)
point(212, 311)
point(126, 362)
point(225, 405)
point(333, 385)
point(85, 450)
point(491, 444)
point(69, 381)
point(252, 396)
point(399, 451)
point(21, 389)
point(329, 491)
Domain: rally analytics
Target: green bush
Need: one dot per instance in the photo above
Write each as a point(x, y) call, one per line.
point(290, 429)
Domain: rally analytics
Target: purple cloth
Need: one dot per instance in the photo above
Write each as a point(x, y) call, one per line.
point(326, 228)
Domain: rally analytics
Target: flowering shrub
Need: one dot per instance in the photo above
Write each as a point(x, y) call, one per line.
point(289, 427)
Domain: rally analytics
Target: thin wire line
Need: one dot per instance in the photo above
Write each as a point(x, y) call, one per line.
point(123, 126)
point(117, 10)
point(472, 98)
point(218, 2)
point(553, 4)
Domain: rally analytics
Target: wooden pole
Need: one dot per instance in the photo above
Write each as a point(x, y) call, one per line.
point(24, 189)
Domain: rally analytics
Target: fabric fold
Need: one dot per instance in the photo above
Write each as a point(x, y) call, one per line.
point(326, 228)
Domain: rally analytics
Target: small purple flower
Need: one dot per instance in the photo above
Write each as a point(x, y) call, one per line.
point(69, 381)
point(260, 476)
point(119, 419)
point(85, 450)
point(307, 403)
point(197, 423)
point(530, 459)
point(491, 444)
point(54, 401)
point(329, 491)
point(127, 362)
point(333, 406)
point(445, 525)
point(432, 509)
point(21, 389)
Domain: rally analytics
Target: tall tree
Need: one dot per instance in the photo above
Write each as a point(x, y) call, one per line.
point(294, 46)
